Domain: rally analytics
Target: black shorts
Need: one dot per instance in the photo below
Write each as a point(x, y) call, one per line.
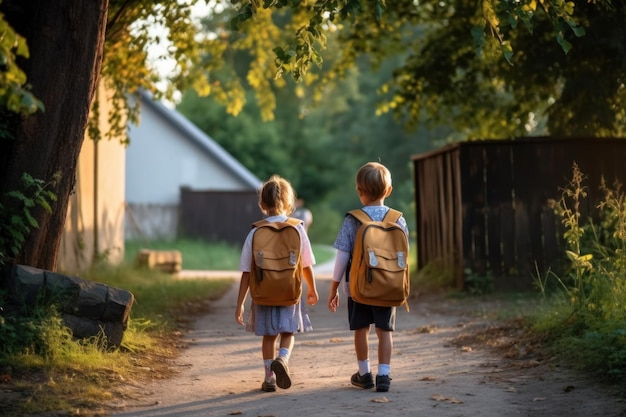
point(362, 315)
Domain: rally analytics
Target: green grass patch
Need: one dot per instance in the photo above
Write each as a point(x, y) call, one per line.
point(160, 298)
point(202, 255)
point(197, 254)
point(323, 253)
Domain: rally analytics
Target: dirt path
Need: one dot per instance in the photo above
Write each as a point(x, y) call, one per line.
point(221, 372)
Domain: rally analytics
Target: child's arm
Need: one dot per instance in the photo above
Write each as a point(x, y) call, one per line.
point(333, 296)
point(311, 297)
point(341, 263)
point(244, 287)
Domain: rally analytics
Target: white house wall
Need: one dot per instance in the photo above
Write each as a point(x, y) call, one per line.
point(160, 162)
point(166, 153)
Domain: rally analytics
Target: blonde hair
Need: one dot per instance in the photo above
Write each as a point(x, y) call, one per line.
point(277, 196)
point(373, 180)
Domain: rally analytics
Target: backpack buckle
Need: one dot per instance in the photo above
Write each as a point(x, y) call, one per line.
point(401, 260)
point(373, 260)
point(292, 258)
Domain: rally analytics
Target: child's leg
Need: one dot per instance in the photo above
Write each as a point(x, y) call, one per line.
point(268, 349)
point(361, 347)
point(385, 346)
point(363, 378)
point(279, 365)
point(287, 341)
point(385, 321)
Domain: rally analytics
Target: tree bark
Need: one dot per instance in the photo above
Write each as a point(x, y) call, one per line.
point(66, 41)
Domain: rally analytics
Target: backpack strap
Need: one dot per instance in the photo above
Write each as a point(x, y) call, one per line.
point(290, 220)
point(392, 215)
point(293, 221)
point(259, 223)
point(360, 215)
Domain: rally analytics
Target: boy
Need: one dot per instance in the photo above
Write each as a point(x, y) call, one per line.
point(373, 185)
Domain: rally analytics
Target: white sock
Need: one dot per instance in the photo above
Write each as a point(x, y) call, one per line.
point(364, 367)
point(384, 369)
point(267, 363)
point(283, 353)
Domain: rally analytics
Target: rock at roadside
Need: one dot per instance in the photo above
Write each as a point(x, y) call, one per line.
point(88, 308)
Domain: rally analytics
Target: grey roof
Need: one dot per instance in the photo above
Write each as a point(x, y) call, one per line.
point(202, 140)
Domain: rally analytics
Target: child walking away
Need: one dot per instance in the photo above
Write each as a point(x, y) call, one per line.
point(275, 258)
point(373, 185)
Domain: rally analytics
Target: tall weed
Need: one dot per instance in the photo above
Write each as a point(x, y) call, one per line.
point(591, 330)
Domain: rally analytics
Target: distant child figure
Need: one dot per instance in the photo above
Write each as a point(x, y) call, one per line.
point(373, 185)
point(277, 202)
point(303, 214)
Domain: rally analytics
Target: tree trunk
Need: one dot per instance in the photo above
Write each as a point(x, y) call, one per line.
point(66, 40)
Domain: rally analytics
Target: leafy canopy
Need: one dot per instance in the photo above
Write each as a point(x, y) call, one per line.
point(290, 36)
point(15, 95)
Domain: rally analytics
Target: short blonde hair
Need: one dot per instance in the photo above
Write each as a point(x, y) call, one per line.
point(278, 196)
point(373, 180)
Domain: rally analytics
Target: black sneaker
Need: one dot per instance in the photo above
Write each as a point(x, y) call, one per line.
point(382, 383)
point(362, 381)
point(281, 370)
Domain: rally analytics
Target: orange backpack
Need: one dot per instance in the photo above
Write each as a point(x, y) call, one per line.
point(276, 270)
point(379, 269)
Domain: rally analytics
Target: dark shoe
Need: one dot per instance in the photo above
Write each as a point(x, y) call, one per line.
point(281, 370)
point(363, 381)
point(269, 385)
point(382, 383)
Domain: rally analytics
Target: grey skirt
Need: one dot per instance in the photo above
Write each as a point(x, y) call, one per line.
point(271, 320)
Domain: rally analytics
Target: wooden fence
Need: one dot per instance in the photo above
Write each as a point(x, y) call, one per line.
point(484, 206)
point(218, 215)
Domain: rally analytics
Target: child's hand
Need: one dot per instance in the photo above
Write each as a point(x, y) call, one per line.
point(239, 314)
point(312, 297)
point(333, 302)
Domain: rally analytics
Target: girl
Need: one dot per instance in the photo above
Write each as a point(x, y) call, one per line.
point(277, 201)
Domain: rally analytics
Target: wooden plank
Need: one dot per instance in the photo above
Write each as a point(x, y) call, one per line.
point(455, 157)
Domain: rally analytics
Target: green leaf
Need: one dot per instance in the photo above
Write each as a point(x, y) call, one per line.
point(478, 34)
point(379, 10)
point(17, 221)
point(44, 203)
point(17, 236)
point(579, 31)
point(507, 51)
point(22, 47)
point(30, 103)
point(16, 194)
point(31, 220)
point(565, 45)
